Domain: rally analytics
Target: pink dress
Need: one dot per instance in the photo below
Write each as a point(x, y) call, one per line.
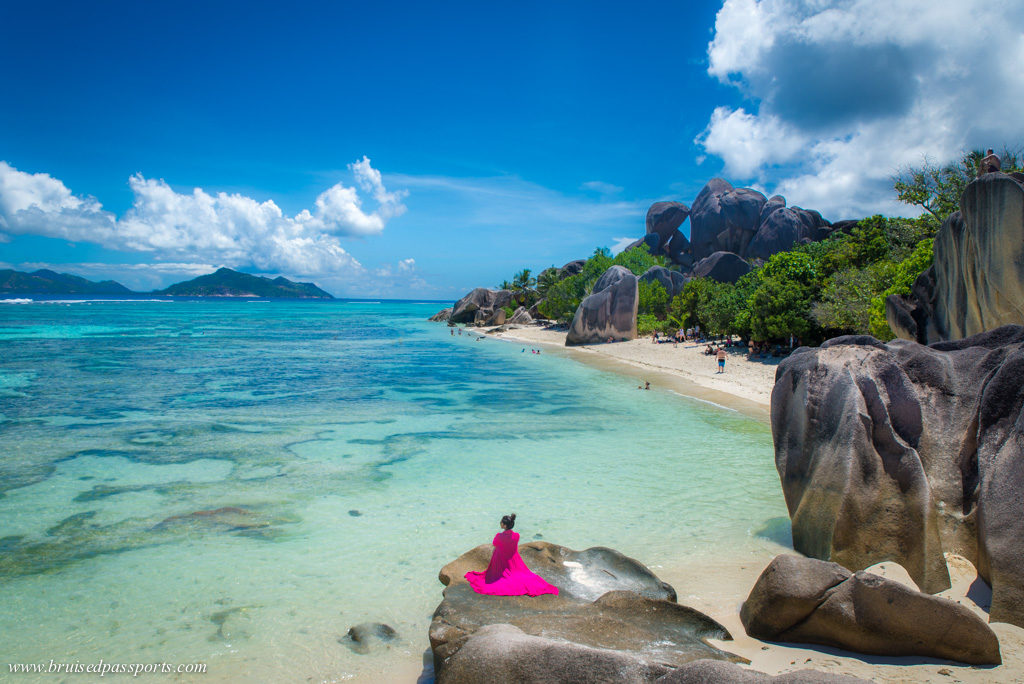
point(507, 575)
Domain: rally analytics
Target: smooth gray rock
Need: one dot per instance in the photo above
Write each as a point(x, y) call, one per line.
point(364, 637)
point(442, 316)
point(722, 672)
point(613, 620)
point(782, 229)
point(521, 316)
point(664, 220)
point(724, 218)
point(610, 277)
point(610, 312)
point(812, 601)
point(479, 300)
point(497, 317)
point(977, 280)
point(672, 281)
point(902, 452)
point(774, 202)
point(571, 269)
point(724, 267)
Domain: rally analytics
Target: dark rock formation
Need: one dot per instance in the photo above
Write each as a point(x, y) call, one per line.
point(363, 637)
point(609, 312)
point(479, 300)
point(722, 672)
point(442, 316)
point(781, 230)
point(496, 317)
point(672, 281)
point(664, 220)
point(977, 280)
point(724, 218)
point(725, 267)
point(521, 316)
point(613, 620)
point(534, 311)
point(902, 451)
point(571, 269)
point(728, 219)
point(812, 601)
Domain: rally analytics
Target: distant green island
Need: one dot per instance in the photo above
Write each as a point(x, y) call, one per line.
point(45, 281)
point(224, 282)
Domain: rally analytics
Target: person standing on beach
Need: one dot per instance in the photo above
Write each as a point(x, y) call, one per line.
point(721, 360)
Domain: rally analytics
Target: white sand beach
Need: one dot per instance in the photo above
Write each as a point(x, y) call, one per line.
point(748, 380)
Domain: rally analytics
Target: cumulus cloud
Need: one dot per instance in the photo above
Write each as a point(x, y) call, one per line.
point(845, 92)
point(621, 243)
point(231, 229)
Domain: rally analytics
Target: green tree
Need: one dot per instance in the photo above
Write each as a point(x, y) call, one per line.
point(545, 279)
point(937, 189)
point(523, 280)
point(652, 299)
point(639, 259)
point(902, 279)
point(780, 306)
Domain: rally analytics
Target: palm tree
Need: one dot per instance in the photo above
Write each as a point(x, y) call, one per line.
point(523, 280)
point(505, 285)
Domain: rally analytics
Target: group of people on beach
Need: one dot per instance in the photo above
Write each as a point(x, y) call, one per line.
point(532, 351)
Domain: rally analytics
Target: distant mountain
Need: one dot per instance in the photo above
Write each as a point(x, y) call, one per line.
point(45, 281)
point(227, 283)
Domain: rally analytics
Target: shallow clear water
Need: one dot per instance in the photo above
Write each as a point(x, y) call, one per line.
point(237, 482)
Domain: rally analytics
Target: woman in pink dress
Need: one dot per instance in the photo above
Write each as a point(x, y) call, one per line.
point(507, 574)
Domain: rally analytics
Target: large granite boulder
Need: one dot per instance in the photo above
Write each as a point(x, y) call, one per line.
point(521, 316)
point(613, 620)
point(672, 281)
point(442, 316)
point(479, 300)
point(724, 218)
point(812, 601)
point(779, 232)
point(571, 269)
point(901, 452)
point(725, 267)
point(609, 312)
point(977, 280)
point(664, 220)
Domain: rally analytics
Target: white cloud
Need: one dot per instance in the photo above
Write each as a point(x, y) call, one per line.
point(231, 229)
point(407, 265)
point(848, 91)
point(621, 243)
point(602, 188)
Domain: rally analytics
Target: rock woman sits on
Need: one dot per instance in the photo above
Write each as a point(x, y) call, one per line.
point(507, 574)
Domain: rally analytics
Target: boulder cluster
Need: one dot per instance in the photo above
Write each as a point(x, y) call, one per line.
point(812, 601)
point(613, 620)
point(902, 452)
point(737, 224)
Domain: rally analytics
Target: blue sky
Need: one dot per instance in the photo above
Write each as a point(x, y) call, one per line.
point(419, 150)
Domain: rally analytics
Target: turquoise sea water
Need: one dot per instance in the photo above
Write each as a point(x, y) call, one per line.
point(237, 482)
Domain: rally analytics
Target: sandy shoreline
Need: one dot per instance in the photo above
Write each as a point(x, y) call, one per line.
point(746, 384)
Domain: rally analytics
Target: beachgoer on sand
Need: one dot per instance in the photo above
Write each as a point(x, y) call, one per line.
point(507, 574)
point(721, 360)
